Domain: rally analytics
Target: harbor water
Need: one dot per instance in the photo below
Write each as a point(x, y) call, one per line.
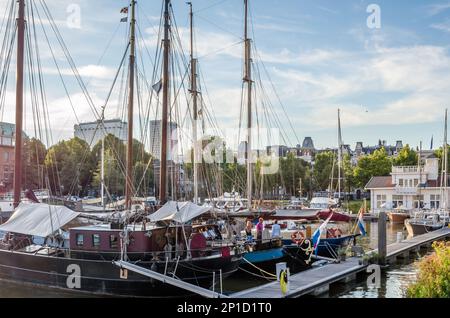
point(394, 280)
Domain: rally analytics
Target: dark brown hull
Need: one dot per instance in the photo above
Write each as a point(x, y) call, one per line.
point(102, 277)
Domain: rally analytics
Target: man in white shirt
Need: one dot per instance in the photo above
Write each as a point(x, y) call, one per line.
point(276, 230)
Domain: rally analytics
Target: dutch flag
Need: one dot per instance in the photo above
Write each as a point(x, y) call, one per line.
point(318, 233)
point(361, 227)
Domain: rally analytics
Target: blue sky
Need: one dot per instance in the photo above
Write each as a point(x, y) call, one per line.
point(391, 83)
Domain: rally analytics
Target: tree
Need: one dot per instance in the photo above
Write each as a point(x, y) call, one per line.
point(348, 171)
point(406, 157)
point(34, 153)
point(322, 169)
point(376, 164)
point(70, 166)
point(439, 154)
point(114, 174)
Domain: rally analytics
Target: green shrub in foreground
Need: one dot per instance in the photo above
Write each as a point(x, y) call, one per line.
point(434, 274)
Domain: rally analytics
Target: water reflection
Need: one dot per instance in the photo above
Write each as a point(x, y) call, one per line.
point(394, 283)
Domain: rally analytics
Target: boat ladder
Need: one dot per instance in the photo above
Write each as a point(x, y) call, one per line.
point(169, 280)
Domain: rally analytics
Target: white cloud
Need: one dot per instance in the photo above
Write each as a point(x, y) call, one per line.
point(444, 26)
point(437, 8)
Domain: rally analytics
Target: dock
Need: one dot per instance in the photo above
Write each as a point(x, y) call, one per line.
point(403, 248)
point(317, 281)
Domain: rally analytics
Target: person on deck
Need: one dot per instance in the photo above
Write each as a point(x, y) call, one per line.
point(168, 249)
point(259, 229)
point(276, 230)
point(248, 230)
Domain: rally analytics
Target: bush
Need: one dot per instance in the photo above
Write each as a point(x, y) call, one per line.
point(434, 274)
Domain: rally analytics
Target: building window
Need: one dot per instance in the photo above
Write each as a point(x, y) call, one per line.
point(397, 201)
point(113, 241)
point(418, 201)
point(435, 201)
point(416, 183)
point(381, 199)
point(80, 239)
point(400, 182)
point(95, 240)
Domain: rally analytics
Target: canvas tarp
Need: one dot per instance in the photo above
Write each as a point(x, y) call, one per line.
point(38, 219)
point(180, 212)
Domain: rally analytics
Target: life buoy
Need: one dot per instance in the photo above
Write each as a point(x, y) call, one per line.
point(298, 237)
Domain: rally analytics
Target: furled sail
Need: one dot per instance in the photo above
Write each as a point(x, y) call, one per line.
point(180, 212)
point(38, 219)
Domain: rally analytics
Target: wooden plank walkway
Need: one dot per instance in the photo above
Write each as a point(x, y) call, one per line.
point(415, 242)
point(306, 282)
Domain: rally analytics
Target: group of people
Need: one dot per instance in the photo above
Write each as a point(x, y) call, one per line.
point(276, 230)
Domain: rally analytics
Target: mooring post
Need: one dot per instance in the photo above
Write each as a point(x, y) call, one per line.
point(382, 247)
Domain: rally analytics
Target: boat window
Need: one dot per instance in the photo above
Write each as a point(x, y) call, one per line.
point(113, 241)
point(80, 239)
point(95, 240)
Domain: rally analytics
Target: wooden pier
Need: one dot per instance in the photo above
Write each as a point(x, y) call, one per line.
point(317, 281)
point(404, 248)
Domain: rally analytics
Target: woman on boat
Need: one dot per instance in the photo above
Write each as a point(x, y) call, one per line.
point(248, 230)
point(259, 229)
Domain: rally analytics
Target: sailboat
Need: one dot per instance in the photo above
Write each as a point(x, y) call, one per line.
point(81, 259)
point(423, 222)
point(337, 215)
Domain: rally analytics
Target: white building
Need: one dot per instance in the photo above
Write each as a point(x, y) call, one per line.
point(155, 139)
point(407, 186)
point(93, 132)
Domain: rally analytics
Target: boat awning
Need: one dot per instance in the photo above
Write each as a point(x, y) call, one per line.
point(38, 219)
point(180, 212)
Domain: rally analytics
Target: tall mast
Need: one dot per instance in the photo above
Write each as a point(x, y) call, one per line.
point(19, 103)
point(129, 168)
point(445, 164)
point(165, 106)
point(194, 104)
point(420, 174)
point(102, 168)
point(339, 153)
point(248, 80)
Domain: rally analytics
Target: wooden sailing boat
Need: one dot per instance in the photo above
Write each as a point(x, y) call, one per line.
point(425, 222)
point(80, 259)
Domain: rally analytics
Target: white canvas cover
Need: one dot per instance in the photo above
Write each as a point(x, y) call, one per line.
point(38, 219)
point(180, 212)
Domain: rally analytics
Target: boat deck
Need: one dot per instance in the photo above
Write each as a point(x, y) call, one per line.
point(317, 280)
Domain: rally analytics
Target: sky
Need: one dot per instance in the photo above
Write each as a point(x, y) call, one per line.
point(390, 80)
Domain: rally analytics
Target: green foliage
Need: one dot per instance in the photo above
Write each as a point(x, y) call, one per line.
point(349, 170)
point(70, 166)
point(114, 174)
point(376, 164)
point(439, 154)
point(434, 274)
point(354, 206)
point(406, 157)
point(322, 169)
point(115, 159)
point(34, 153)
